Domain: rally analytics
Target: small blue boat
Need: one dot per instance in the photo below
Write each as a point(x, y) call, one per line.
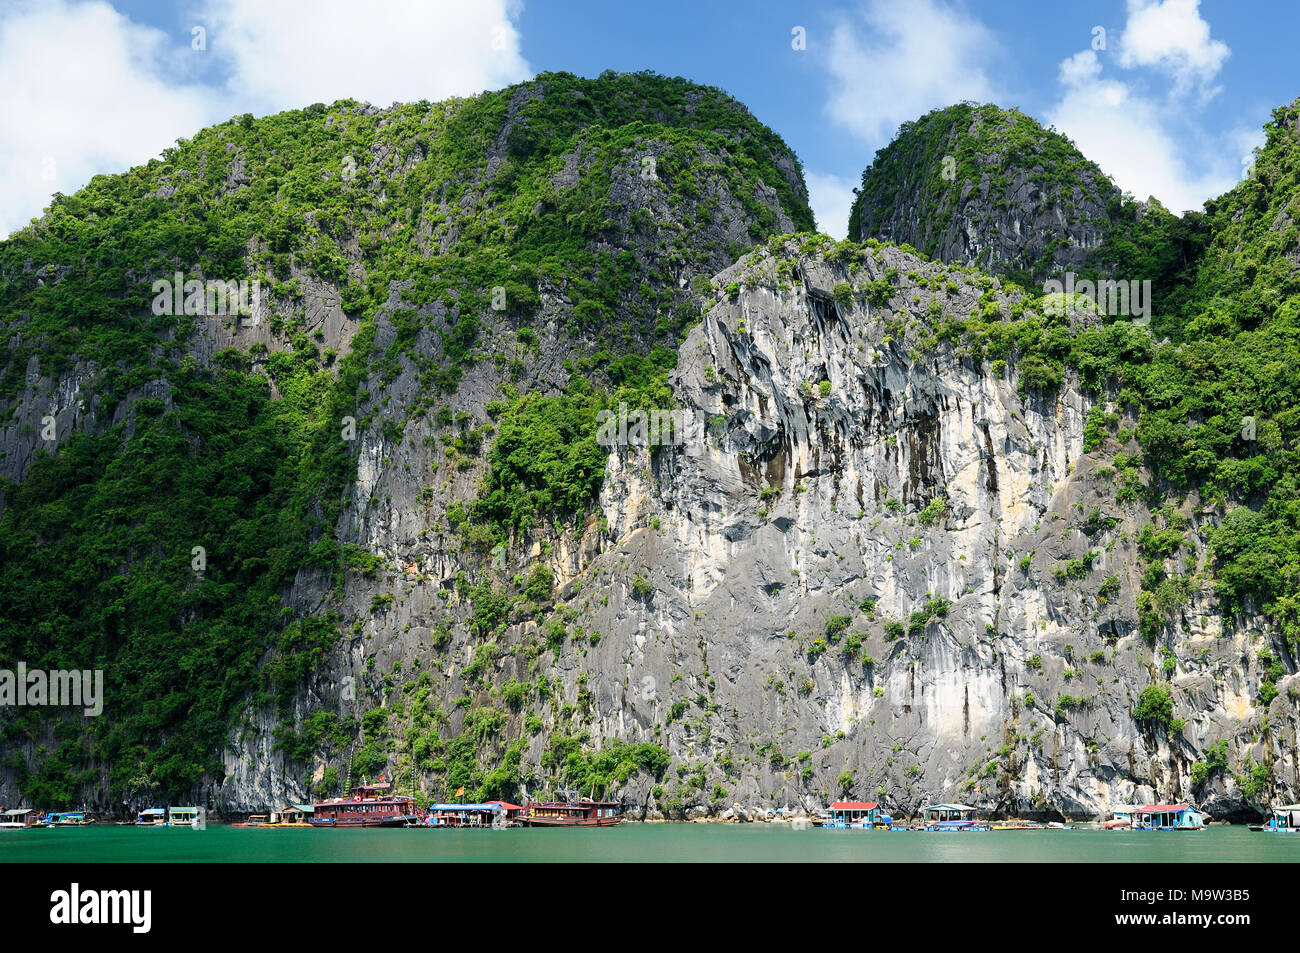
point(68, 819)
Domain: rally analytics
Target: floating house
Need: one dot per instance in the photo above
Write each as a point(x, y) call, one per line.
point(183, 817)
point(151, 817)
point(511, 811)
point(1122, 817)
point(1285, 820)
point(1168, 817)
point(952, 817)
point(465, 815)
point(293, 816)
point(20, 819)
point(861, 815)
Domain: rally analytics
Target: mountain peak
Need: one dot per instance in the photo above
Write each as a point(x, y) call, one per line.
point(986, 186)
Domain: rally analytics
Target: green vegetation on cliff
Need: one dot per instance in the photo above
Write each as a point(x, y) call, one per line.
point(606, 196)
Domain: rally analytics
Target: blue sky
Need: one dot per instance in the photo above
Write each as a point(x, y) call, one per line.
point(1166, 95)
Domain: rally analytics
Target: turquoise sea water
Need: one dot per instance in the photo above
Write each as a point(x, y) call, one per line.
point(640, 842)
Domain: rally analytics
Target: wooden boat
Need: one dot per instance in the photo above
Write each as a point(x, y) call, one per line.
point(1168, 817)
point(370, 805)
point(952, 817)
point(570, 814)
point(69, 819)
point(1017, 826)
point(289, 818)
point(1285, 820)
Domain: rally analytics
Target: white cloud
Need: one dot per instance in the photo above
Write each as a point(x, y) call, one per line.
point(1080, 67)
point(296, 52)
point(831, 197)
point(919, 56)
point(1151, 145)
point(1128, 136)
point(87, 90)
point(83, 94)
point(1171, 36)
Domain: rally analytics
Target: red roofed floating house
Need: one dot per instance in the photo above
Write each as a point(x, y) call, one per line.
point(1168, 817)
point(861, 815)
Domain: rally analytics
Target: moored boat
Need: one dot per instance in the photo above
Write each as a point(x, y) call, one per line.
point(69, 819)
point(151, 817)
point(1285, 820)
point(370, 805)
point(570, 814)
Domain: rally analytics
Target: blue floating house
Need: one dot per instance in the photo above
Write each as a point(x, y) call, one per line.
point(1285, 820)
point(1168, 817)
point(465, 815)
point(862, 815)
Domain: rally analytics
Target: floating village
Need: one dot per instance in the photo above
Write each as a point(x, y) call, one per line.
point(378, 805)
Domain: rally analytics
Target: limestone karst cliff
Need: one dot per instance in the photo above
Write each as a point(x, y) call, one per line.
point(979, 185)
point(910, 536)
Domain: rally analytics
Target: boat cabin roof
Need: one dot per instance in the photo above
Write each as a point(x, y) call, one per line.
point(1163, 808)
point(950, 807)
point(1286, 808)
point(152, 810)
point(855, 806)
point(18, 812)
point(495, 808)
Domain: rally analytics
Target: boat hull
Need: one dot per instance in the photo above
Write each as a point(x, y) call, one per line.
point(570, 821)
point(398, 821)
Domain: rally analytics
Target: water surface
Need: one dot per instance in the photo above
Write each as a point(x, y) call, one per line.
point(640, 842)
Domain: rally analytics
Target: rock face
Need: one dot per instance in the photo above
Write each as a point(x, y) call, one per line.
point(865, 561)
point(872, 556)
point(988, 187)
